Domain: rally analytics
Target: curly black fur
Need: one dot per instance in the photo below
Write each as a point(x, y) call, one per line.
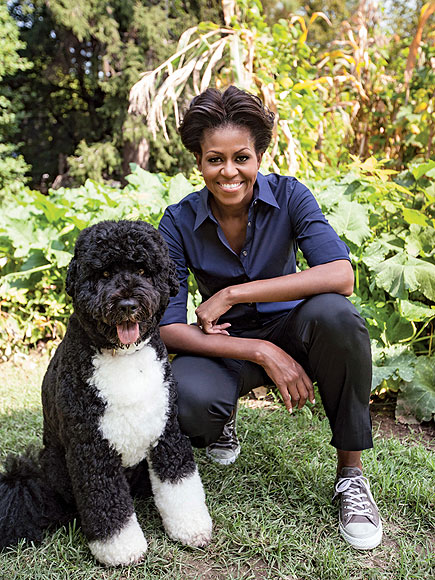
point(120, 274)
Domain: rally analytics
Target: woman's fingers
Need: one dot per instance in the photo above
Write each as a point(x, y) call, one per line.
point(212, 327)
point(310, 389)
point(291, 379)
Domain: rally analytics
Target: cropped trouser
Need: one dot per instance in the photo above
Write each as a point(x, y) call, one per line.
point(326, 335)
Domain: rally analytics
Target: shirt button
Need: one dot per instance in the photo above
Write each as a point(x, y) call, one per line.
point(249, 224)
point(245, 253)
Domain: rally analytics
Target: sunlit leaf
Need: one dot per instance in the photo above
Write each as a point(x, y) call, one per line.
point(402, 274)
point(416, 311)
point(420, 240)
point(350, 219)
point(395, 363)
point(179, 187)
point(423, 169)
point(417, 397)
point(413, 216)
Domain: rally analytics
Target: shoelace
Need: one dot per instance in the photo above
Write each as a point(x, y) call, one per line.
point(356, 499)
point(228, 439)
point(228, 430)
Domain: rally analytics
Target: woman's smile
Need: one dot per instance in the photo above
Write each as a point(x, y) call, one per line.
point(229, 165)
point(230, 186)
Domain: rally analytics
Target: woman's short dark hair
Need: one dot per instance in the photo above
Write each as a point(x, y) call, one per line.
point(212, 109)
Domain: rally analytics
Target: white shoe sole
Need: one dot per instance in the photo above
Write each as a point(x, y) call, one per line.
point(223, 460)
point(363, 543)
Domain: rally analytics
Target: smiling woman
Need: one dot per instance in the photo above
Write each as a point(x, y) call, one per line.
point(229, 164)
point(262, 322)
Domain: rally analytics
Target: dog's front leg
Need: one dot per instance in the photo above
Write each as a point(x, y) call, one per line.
point(104, 503)
point(177, 488)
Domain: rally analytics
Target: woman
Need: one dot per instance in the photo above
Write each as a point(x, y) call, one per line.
point(261, 322)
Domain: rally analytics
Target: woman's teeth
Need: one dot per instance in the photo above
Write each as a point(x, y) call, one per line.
point(230, 185)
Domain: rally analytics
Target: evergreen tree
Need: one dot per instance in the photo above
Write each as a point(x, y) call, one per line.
point(86, 56)
point(12, 165)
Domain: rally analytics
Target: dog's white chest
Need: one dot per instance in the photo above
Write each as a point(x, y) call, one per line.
point(132, 386)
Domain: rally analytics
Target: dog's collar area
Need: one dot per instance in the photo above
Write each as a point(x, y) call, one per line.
point(125, 349)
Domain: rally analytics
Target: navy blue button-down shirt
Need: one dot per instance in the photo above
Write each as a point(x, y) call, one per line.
point(283, 215)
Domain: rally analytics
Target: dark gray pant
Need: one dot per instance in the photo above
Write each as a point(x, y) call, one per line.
point(326, 335)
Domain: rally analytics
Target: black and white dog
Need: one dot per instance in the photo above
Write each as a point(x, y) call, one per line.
point(110, 414)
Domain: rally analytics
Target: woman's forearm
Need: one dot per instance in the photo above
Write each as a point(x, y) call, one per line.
point(290, 378)
point(188, 338)
point(334, 277)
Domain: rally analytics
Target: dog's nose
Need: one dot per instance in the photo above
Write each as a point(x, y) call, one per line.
point(128, 305)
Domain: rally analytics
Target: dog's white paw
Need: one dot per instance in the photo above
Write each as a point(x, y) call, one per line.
point(128, 546)
point(183, 510)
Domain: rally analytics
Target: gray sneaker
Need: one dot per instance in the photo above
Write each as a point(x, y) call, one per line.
point(227, 448)
point(360, 524)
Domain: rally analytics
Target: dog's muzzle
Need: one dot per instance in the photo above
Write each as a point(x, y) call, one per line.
point(131, 314)
point(128, 330)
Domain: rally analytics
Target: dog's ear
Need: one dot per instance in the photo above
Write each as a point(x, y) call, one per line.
point(70, 277)
point(174, 285)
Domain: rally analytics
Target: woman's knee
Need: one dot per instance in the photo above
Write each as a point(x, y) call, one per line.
point(207, 393)
point(337, 320)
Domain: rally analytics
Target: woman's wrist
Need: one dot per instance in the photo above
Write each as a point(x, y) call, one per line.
point(231, 295)
point(261, 351)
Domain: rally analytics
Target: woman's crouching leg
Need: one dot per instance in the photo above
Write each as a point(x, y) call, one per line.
point(328, 337)
point(340, 360)
point(207, 394)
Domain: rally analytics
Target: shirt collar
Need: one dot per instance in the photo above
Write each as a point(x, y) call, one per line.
point(262, 192)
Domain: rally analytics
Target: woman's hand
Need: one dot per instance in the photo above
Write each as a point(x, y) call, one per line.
point(209, 312)
point(290, 378)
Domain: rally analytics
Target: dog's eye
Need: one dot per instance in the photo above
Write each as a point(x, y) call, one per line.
point(141, 272)
point(106, 274)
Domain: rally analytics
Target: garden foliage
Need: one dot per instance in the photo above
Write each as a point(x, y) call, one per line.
point(386, 224)
point(355, 121)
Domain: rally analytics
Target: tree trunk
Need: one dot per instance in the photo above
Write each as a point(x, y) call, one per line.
point(135, 152)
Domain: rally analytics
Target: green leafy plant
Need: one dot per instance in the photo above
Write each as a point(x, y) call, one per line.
point(390, 231)
point(37, 235)
point(388, 225)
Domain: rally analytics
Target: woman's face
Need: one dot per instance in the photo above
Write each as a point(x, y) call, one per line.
point(229, 165)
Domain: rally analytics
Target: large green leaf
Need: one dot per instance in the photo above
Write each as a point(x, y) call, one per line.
point(150, 189)
point(403, 273)
point(420, 241)
point(413, 216)
point(417, 397)
point(52, 211)
point(427, 168)
point(144, 181)
point(331, 193)
point(350, 219)
point(398, 328)
point(179, 187)
point(374, 253)
point(416, 311)
point(395, 363)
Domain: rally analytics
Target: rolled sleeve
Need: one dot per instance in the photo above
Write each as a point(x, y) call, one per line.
point(316, 238)
point(177, 308)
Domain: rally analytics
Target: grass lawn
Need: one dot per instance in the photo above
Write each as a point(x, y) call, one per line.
point(272, 511)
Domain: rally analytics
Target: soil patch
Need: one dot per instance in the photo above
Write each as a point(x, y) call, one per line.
point(382, 411)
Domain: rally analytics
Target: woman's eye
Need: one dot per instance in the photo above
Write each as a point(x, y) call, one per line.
point(106, 274)
point(242, 158)
point(214, 160)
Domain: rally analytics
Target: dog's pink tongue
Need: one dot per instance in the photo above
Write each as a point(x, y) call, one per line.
point(128, 332)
